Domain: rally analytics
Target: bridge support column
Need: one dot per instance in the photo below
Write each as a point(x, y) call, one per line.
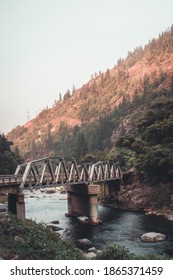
point(12, 200)
point(20, 206)
point(16, 204)
point(111, 187)
point(82, 200)
point(93, 217)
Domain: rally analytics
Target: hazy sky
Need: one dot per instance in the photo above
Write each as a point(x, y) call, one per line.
point(47, 46)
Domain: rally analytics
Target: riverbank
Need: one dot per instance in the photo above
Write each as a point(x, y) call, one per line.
point(136, 196)
point(27, 240)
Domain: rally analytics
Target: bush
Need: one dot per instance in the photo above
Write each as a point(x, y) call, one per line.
point(39, 243)
point(115, 252)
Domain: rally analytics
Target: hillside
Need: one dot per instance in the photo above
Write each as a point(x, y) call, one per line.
point(88, 122)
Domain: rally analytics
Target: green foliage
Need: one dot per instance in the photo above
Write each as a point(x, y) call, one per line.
point(149, 146)
point(115, 252)
point(8, 159)
point(39, 243)
point(99, 134)
point(125, 141)
point(153, 257)
point(155, 163)
point(123, 157)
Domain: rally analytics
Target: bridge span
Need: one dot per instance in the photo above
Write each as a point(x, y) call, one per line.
point(82, 182)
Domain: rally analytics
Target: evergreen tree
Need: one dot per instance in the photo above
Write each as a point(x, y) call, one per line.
point(8, 159)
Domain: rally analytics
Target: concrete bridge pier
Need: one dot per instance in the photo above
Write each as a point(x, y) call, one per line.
point(20, 206)
point(110, 187)
point(82, 200)
point(16, 204)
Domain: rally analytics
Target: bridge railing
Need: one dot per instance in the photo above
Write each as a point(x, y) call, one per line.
point(10, 179)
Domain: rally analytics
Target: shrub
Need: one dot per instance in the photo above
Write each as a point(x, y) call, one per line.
point(39, 243)
point(115, 252)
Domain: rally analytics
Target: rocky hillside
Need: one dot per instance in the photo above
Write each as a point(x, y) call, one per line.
point(88, 119)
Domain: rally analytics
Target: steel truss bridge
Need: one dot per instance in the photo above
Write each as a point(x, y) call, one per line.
point(51, 171)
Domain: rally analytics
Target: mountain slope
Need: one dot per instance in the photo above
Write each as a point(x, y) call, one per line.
point(81, 120)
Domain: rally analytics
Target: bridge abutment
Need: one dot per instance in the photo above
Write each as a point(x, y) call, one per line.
point(83, 200)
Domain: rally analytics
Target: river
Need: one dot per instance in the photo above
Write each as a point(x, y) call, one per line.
point(118, 226)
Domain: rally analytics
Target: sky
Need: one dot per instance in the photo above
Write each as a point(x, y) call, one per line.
point(49, 46)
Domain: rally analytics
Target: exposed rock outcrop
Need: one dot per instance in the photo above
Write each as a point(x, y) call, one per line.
point(134, 195)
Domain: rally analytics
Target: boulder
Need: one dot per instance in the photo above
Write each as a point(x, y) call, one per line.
point(56, 222)
point(92, 249)
point(63, 192)
point(50, 190)
point(84, 243)
point(16, 257)
point(90, 256)
point(54, 228)
point(153, 237)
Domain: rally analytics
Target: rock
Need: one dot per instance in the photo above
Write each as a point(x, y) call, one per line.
point(63, 192)
point(3, 208)
point(90, 256)
point(169, 217)
point(153, 237)
point(84, 243)
point(66, 231)
point(92, 249)
point(55, 222)
point(50, 190)
point(61, 189)
point(4, 219)
point(54, 228)
point(19, 239)
point(16, 257)
point(98, 252)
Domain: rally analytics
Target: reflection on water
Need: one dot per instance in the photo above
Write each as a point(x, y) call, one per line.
point(122, 227)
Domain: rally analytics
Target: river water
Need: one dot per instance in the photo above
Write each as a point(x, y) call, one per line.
point(118, 226)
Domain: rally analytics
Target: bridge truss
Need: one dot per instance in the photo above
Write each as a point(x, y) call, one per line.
point(63, 171)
